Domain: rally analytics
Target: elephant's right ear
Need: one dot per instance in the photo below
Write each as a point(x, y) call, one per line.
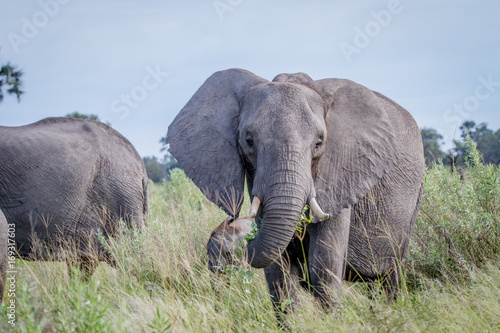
point(203, 137)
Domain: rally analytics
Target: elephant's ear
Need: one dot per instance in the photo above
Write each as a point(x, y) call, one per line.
point(203, 137)
point(361, 146)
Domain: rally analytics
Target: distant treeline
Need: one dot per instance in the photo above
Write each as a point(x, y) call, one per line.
point(487, 140)
point(159, 170)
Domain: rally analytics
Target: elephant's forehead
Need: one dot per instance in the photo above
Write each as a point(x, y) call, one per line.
point(277, 99)
point(281, 92)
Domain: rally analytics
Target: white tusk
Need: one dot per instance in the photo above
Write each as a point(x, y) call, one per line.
point(317, 211)
point(255, 207)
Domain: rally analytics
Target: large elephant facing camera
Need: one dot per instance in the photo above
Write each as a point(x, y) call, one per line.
point(353, 155)
point(64, 180)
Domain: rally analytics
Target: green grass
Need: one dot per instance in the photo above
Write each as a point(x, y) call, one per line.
point(161, 283)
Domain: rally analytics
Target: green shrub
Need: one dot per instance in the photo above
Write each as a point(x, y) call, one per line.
point(458, 229)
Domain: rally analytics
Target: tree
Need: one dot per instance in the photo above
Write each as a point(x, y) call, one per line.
point(487, 141)
point(168, 159)
point(164, 144)
point(79, 115)
point(10, 77)
point(432, 141)
point(158, 171)
point(170, 162)
point(155, 170)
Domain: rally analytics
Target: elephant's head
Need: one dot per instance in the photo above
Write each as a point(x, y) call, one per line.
point(324, 143)
point(225, 246)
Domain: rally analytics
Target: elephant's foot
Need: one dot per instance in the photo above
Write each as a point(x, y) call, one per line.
point(88, 267)
point(390, 282)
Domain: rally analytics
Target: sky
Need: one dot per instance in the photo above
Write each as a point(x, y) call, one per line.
point(136, 63)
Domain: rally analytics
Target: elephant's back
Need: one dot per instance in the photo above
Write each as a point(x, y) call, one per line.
point(37, 152)
point(405, 129)
point(75, 139)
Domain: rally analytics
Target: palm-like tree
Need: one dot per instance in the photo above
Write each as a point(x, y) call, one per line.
point(10, 77)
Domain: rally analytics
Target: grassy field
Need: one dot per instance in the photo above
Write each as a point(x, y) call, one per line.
point(161, 283)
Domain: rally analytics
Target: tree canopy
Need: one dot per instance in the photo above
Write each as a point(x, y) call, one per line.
point(487, 141)
point(159, 171)
point(432, 141)
point(11, 78)
point(79, 115)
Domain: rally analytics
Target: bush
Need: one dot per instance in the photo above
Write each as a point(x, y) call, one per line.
point(458, 229)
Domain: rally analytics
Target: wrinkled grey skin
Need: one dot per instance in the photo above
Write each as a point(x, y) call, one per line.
point(224, 245)
point(354, 150)
point(3, 253)
point(63, 180)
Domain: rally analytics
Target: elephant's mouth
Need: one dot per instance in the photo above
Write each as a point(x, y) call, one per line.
point(313, 204)
point(277, 230)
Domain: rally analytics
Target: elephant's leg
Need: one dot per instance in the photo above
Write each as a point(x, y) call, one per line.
point(390, 280)
point(86, 265)
point(327, 257)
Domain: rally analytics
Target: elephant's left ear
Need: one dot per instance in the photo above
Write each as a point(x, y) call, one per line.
point(361, 146)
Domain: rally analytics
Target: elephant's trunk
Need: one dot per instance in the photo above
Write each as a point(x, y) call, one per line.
point(281, 212)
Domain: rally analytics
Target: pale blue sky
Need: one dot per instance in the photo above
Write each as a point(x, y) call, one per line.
point(438, 59)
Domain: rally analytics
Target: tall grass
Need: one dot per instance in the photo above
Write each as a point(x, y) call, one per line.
point(161, 282)
point(458, 229)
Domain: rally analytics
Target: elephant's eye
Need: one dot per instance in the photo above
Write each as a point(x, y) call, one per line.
point(319, 142)
point(250, 142)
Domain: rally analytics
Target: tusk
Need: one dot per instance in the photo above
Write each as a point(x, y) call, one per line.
point(317, 211)
point(255, 207)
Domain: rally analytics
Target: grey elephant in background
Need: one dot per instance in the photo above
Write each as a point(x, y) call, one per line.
point(4, 238)
point(63, 181)
point(350, 153)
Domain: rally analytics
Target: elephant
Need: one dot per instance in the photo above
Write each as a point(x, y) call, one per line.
point(66, 181)
point(351, 155)
point(225, 241)
point(4, 239)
